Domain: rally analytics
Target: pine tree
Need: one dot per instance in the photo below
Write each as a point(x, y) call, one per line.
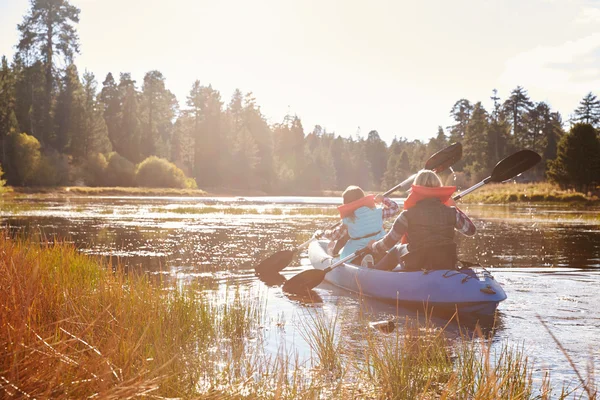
point(129, 129)
point(475, 143)
point(157, 110)
point(460, 112)
point(111, 110)
point(375, 150)
point(91, 137)
point(578, 159)
point(8, 121)
point(513, 108)
point(48, 29)
point(588, 111)
point(69, 109)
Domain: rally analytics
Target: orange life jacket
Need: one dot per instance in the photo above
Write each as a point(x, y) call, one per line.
point(347, 210)
point(419, 193)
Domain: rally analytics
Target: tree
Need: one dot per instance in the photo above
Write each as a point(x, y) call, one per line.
point(438, 143)
point(48, 29)
point(8, 119)
point(157, 110)
point(69, 110)
point(475, 141)
point(129, 130)
point(111, 110)
point(588, 111)
point(578, 159)
point(514, 107)
point(29, 93)
point(375, 150)
point(460, 112)
point(91, 135)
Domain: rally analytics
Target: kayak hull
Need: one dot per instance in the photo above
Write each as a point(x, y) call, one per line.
point(465, 291)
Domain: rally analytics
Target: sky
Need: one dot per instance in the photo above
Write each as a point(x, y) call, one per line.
point(350, 66)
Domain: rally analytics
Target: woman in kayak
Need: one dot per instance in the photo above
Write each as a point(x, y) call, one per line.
point(362, 220)
point(425, 227)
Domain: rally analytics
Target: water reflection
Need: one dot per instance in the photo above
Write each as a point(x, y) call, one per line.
point(548, 261)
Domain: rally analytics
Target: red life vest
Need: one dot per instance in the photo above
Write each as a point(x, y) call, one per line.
point(347, 210)
point(419, 193)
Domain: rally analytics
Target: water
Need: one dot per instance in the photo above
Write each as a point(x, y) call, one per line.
point(548, 260)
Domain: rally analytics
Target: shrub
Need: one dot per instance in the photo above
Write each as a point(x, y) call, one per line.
point(52, 170)
point(2, 181)
point(94, 170)
point(158, 172)
point(24, 157)
point(119, 171)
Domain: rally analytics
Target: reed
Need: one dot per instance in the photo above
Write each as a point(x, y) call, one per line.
point(73, 326)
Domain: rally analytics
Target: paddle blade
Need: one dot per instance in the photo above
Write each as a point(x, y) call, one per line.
point(445, 158)
point(514, 165)
point(275, 263)
point(304, 281)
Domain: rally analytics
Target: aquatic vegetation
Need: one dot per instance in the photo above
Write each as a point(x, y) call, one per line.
point(74, 326)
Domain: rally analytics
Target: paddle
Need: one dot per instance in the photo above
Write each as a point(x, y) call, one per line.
point(438, 162)
point(507, 168)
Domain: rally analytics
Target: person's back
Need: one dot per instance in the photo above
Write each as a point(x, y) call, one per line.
point(426, 228)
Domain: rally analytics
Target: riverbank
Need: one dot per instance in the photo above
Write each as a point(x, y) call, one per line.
point(534, 193)
point(154, 192)
point(73, 326)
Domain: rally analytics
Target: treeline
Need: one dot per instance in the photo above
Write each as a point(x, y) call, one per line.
point(60, 127)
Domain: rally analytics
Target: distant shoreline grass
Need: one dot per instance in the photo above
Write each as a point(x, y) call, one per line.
point(535, 193)
point(72, 326)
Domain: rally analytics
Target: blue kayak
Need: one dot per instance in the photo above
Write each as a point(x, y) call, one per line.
point(466, 290)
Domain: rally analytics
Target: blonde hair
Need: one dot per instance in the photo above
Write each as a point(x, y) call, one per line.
point(428, 178)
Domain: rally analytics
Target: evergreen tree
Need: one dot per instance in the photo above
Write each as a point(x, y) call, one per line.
point(110, 99)
point(48, 29)
point(91, 135)
point(438, 143)
point(513, 108)
point(157, 110)
point(375, 150)
point(29, 107)
point(8, 119)
point(69, 109)
point(255, 122)
point(578, 159)
point(460, 112)
point(129, 130)
point(475, 142)
point(588, 111)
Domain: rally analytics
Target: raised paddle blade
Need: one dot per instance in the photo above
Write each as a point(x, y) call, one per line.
point(304, 281)
point(514, 165)
point(275, 263)
point(445, 158)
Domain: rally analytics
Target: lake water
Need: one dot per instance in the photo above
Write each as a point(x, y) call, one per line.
point(547, 259)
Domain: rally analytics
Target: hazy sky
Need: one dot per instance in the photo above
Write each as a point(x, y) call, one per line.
point(394, 66)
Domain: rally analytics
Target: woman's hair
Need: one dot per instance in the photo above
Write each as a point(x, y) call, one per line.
point(427, 178)
point(352, 193)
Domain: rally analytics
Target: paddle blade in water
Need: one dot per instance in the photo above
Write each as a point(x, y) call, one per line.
point(304, 281)
point(275, 262)
point(445, 158)
point(514, 165)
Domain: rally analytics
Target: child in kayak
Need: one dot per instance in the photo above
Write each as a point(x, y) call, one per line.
point(426, 228)
point(362, 220)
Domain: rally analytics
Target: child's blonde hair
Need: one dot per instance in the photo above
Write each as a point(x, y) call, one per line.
point(428, 178)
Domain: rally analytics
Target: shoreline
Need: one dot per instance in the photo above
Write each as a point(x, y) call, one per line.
point(537, 194)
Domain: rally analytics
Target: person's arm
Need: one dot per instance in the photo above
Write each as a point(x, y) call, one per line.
point(393, 236)
point(463, 224)
point(390, 207)
point(337, 233)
